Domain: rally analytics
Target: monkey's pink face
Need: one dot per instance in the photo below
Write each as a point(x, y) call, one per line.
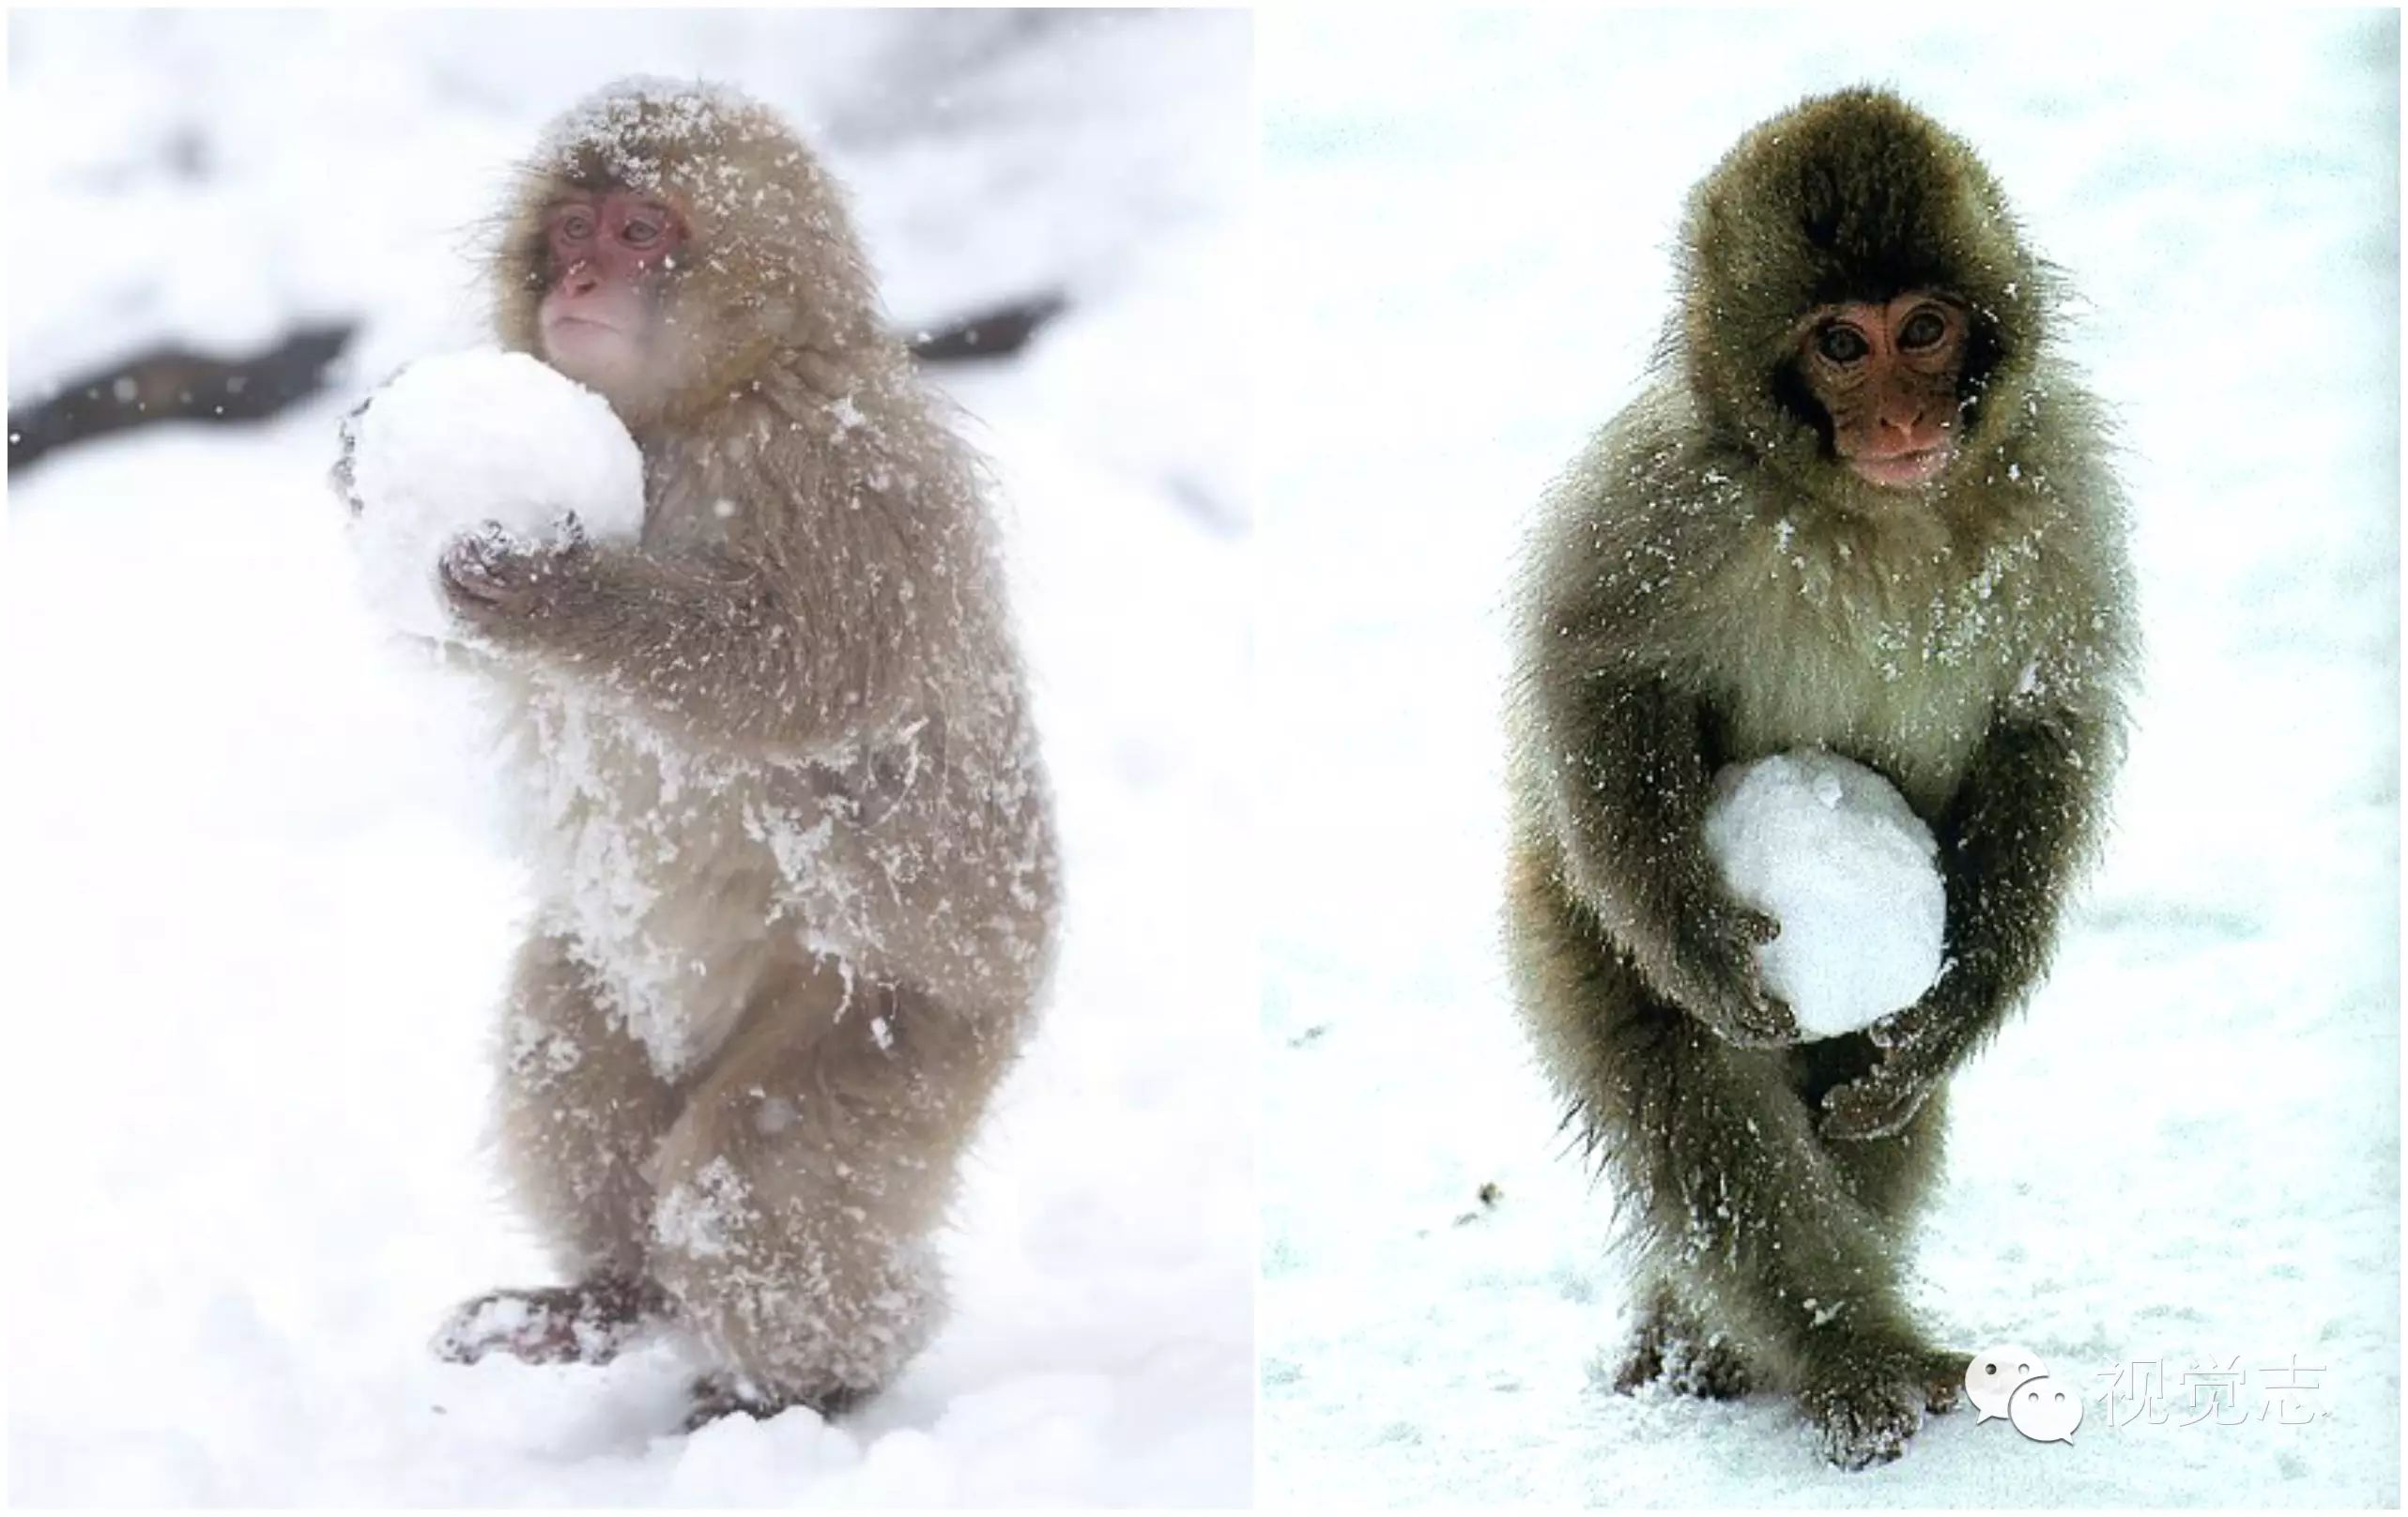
point(611, 255)
point(1887, 376)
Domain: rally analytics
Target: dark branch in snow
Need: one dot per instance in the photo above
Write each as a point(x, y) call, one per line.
point(995, 334)
point(175, 384)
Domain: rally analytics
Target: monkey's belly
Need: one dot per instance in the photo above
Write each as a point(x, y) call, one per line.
point(674, 926)
point(645, 863)
point(694, 883)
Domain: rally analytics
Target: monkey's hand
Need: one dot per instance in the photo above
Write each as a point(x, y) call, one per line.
point(1881, 1101)
point(497, 582)
point(1715, 949)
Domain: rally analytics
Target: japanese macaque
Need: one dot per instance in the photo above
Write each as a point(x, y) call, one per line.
point(1862, 510)
point(792, 844)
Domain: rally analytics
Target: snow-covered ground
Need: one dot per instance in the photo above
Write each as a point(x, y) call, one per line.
point(2188, 1151)
point(256, 908)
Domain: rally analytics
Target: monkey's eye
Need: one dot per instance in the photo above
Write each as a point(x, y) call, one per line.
point(577, 226)
point(1842, 344)
point(1925, 329)
point(639, 233)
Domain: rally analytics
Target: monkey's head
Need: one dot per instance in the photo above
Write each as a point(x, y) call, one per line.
point(670, 243)
point(1859, 311)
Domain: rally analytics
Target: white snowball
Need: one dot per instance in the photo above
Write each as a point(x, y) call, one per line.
point(465, 438)
point(1834, 852)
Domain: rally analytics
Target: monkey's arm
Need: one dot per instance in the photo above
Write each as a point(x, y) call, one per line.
point(1628, 776)
point(714, 644)
point(2020, 828)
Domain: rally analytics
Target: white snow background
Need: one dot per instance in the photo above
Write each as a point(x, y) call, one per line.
point(257, 910)
point(2187, 1149)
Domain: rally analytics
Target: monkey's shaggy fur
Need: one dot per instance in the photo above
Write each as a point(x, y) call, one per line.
point(793, 841)
point(1709, 584)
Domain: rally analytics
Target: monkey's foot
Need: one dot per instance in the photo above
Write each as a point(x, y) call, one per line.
point(585, 1323)
point(1662, 1353)
point(1867, 1409)
point(1708, 1368)
point(715, 1396)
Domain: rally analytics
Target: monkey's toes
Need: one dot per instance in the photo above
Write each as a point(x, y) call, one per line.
point(1710, 1370)
point(1642, 1361)
point(503, 1320)
point(590, 1322)
point(1865, 1419)
point(1659, 1354)
point(1944, 1379)
point(715, 1396)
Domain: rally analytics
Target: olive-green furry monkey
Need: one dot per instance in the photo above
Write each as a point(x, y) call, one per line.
point(1862, 509)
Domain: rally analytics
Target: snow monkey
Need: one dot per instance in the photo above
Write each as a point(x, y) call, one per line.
point(1860, 509)
point(792, 847)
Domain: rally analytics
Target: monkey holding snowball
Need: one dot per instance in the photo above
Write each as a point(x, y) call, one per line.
point(1864, 510)
point(793, 843)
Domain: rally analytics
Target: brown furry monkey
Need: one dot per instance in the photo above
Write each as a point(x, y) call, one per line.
point(794, 846)
point(1861, 509)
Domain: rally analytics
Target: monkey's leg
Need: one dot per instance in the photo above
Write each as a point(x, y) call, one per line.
point(1892, 1176)
point(1750, 1209)
point(1745, 1213)
point(582, 1114)
point(1671, 1347)
point(801, 1184)
point(1599, 1032)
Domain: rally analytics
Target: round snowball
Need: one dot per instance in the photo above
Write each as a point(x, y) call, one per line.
point(465, 438)
point(1829, 849)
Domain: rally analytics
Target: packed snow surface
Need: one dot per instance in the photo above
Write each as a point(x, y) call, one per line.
point(465, 442)
point(1831, 851)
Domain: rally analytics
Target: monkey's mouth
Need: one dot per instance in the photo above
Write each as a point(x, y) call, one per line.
point(1899, 470)
point(556, 323)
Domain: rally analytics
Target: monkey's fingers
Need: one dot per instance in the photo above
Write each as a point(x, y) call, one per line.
point(1758, 1018)
point(1879, 1104)
point(486, 569)
point(1901, 1029)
